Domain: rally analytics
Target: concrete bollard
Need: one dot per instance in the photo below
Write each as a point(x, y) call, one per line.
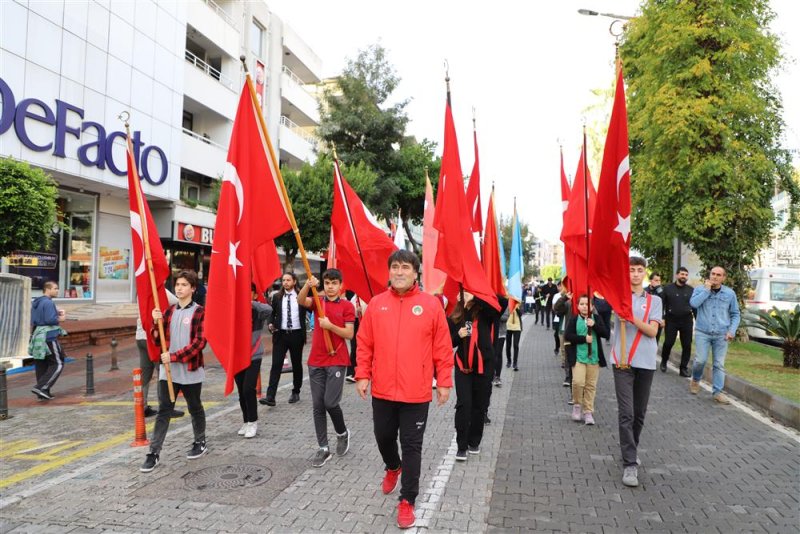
point(114, 366)
point(3, 394)
point(89, 374)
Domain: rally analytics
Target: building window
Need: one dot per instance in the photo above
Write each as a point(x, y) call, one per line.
point(257, 39)
point(188, 120)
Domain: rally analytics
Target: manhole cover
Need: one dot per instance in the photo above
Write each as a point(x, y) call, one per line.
point(227, 477)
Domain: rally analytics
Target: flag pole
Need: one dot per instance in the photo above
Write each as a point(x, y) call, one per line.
point(475, 137)
point(148, 255)
point(622, 346)
point(286, 201)
point(586, 226)
point(352, 226)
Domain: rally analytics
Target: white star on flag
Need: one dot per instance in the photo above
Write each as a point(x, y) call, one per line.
point(623, 226)
point(233, 261)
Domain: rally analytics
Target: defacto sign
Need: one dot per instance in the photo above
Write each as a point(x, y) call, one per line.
point(97, 153)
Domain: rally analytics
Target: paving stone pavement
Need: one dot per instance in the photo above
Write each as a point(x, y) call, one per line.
point(706, 468)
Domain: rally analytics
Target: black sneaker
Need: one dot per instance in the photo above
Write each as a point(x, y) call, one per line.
point(663, 367)
point(198, 449)
point(149, 412)
point(150, 463)
point(486, 420)
point(461, 455)
point(474, 450)
point(685, 374)
point(269, 401)
point(294, 397)
point(42, 393)
point(516, 368)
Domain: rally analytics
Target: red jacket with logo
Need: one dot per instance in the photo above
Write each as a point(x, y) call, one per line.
point(402, 340)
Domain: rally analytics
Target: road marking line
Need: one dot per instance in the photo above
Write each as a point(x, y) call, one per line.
point(49, 455)
point(118, 440)
point(130, 403)
point(6, 449)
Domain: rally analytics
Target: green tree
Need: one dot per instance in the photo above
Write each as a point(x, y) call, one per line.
point(528, 242)
point(311, 192)
point(705, 127)
point(357, 118)
point(552, 271)
point(27, 207)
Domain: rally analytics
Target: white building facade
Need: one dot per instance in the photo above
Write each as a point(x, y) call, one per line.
point(69, 69)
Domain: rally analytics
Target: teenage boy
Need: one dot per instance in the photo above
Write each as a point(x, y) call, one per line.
point(403, 339)
point(183, 330)
point(633, 374)
point(326, 371)
point(48, 356)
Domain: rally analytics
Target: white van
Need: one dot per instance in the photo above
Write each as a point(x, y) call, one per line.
point(772, 287)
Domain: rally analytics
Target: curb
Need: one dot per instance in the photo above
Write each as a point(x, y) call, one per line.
point(779, 408)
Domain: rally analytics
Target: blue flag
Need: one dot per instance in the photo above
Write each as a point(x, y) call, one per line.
point(515, 268)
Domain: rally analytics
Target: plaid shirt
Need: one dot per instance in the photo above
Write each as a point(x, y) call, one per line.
point(191, 354)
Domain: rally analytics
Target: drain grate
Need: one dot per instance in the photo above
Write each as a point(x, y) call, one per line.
point(227, 477)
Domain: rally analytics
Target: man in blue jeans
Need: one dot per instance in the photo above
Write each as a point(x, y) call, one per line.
point(717, 320)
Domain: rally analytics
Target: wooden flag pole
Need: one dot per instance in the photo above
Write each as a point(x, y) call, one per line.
point(586, 228)
point(148, 255)
point(286, 201)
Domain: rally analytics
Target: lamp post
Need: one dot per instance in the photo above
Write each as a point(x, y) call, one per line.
point(617, 20)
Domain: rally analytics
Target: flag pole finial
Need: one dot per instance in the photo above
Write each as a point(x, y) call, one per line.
point(243, 59)
point(473, 117)
point(447, 77)
point(335, 155)
point(125, 116)
point(426, 173)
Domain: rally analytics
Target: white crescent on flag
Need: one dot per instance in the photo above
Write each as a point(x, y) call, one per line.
point(136, 225)
point(230, 175)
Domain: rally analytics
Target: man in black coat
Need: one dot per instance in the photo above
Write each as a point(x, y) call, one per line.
point(679, 319)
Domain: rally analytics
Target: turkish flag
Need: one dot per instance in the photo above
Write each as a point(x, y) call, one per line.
point(251, 214)
point(574, 232)
point(432, 278)
point(474, 191)
point(266, 268)
point(456, 254)
point(609, 268)
point(362, 247)
point(143, 228)
point(491, 252)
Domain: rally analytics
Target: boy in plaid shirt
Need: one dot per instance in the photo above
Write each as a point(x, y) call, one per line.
point(183, 330)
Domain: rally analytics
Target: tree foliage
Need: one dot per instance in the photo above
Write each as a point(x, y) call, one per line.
point(705, 128)
point(552, 271)
point(528, 242)
point(357, 118)
point(311, 192)
point(27, 207)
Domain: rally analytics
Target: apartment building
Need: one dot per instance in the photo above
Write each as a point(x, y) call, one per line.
point(67, 71)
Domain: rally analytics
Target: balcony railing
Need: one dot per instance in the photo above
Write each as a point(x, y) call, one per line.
point(302, 132)
point(204, 139)
point(209, 70)
point(221, 12)
point(292, 76)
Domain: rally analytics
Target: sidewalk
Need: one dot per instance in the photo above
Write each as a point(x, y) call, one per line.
point(706, 468)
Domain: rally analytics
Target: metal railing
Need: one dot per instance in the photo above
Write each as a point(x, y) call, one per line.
point(221, 12)
point(209, 70)
point(299, 130)
point(203, 138)
point(292, 76)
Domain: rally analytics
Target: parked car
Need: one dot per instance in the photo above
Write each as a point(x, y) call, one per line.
point(777, 287)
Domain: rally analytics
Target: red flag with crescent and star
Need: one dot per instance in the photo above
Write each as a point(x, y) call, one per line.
point(609, 268)
point(251, 214)
point(143, 227)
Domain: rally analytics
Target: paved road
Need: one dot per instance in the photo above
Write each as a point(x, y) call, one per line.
point(707, 468)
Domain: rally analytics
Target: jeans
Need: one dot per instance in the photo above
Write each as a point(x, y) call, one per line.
point(326, 393)
point(410, 419)
point(191, 393)
point(246, 381)
point(718, 346)
point(632, 386)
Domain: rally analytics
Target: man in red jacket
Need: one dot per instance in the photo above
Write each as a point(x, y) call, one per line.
point(403, 338)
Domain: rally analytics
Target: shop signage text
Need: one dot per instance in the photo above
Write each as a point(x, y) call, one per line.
point(195, 234)
point(97, 153)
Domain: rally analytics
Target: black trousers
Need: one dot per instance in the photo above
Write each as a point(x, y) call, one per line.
point(556, 336)
point(548, 313)
point(539, 310)
point(246, 381)
point(282, 342)
point(512, 339)
point(498, 355)
point(410, 419)
point(49, 369)
point(191, 393)
point(472, 392)
point(632, 386)
point(673, 327)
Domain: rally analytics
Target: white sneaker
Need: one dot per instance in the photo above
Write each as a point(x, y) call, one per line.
point(244, 428)
point(251, 431)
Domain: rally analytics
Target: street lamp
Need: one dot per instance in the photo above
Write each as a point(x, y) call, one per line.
point(591, 13)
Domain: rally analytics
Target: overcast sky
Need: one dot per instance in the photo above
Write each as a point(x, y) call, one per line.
point(528, 68)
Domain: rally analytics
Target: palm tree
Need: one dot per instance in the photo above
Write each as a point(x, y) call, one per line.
point(784, 324)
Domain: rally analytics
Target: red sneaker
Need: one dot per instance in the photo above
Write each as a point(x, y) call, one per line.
point(390, 480)
point(405, 514)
